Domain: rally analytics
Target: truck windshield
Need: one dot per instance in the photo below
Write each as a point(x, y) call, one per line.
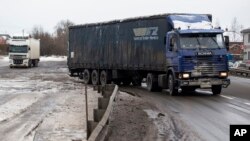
point(19, 49)
point(193, 41)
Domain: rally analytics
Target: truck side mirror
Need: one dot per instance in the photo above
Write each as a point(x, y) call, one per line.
point(226, 38)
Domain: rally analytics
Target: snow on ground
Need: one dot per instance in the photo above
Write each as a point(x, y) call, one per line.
point(43, 103)
point(17, 105)
point(53, 58)
point(42, 58)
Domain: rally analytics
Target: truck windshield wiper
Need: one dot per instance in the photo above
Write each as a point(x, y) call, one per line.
point(216, 43)
point(199, 47)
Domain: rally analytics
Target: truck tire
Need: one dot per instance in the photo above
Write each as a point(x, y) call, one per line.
point(86, 76)
point(172, 86)
point(33, 63)
point(104, 79)
point(152, 83)
point(80, 75)
point(29, 64)
point(36, 63)
point(95, 77)
point(216, 89)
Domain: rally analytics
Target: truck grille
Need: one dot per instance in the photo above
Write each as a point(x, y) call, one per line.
point(17, 61)
point(206, 65)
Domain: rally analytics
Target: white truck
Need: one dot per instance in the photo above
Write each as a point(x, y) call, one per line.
point(24, 51)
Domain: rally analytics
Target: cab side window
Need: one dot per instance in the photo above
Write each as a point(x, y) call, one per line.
point(173, 44)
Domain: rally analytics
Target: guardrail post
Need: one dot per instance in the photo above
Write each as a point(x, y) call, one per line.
point(103, 103)
point(86, 109)
point(101, 115)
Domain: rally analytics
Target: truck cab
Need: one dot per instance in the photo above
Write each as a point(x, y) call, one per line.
point(196, 55)
point(23, 51)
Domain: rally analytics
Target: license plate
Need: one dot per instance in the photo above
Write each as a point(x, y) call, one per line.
point(206, 85)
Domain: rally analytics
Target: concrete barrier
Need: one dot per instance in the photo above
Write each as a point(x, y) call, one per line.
point(97, 129)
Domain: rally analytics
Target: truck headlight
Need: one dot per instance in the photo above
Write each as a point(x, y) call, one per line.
point(184, 75)
point(223, 74)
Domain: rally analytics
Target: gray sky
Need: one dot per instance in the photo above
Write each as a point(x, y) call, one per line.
point(16, 15)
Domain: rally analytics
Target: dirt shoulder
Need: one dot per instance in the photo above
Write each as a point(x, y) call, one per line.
point(129, 122)
point(136, 119)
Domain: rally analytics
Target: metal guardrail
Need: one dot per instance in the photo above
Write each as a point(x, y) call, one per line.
point(240, 72)
point(97, 129)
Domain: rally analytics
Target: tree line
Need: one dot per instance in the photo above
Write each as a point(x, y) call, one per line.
point(56, 43)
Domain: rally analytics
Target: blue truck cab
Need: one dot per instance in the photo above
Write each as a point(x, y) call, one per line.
point(196, 55)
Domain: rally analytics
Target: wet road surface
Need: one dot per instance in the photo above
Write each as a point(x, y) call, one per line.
point(208, 115)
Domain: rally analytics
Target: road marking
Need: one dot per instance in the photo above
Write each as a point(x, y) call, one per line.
point(239, 108)
point(247, 103)
point(228, 97)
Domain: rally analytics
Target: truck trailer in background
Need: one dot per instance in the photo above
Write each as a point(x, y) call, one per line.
point(24, 51)
point(172, 51)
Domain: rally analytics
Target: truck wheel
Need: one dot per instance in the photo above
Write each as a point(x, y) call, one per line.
point(152, 83)
point(104, 78)
point(36, 63)
point(86, 76)
point(216, 89)
point(149, 82)
point(95, 77)
point(29, 64)
point(171, 84)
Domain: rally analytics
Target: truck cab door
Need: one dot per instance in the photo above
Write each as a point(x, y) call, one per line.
point(172, 51)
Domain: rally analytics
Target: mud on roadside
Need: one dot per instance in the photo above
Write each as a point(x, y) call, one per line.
point(128, 120)
point(136, 119)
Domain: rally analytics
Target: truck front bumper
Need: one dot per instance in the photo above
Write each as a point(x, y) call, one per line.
point(205, 82)
point(19, 62)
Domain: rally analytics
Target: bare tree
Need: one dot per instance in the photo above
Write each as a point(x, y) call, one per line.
point(46, 40)
point(235, 28)
point(61, 39)
point(53, 45)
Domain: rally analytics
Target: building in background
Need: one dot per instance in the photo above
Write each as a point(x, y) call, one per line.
point(3, 44)
point(236, 49)
point(246, 43)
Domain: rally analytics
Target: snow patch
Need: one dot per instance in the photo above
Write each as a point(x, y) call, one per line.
point(191, 21)
point(17, 105)
point(42, 58)
point(197, 25)
point(53, 58)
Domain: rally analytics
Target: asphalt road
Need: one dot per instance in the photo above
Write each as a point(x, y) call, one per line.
point(207, 115)
point(240, 87)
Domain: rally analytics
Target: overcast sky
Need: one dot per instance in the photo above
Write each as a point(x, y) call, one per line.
point(16, 15)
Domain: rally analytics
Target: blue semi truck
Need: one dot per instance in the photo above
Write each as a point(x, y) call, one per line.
point(179, 52)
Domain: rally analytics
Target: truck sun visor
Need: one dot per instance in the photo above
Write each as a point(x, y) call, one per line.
point(190, 21)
